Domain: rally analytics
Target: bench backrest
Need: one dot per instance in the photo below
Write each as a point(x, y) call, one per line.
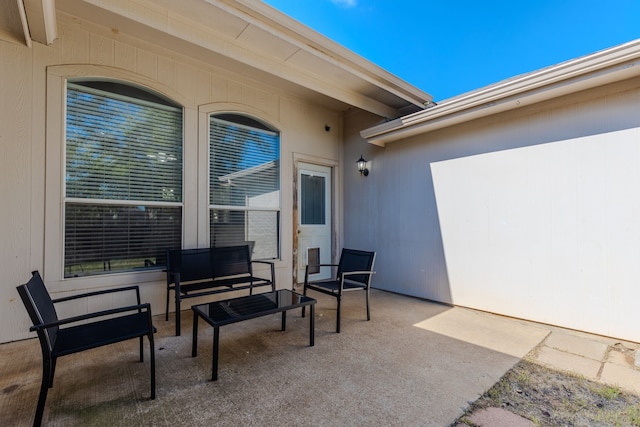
point(209, 263)
point(355, 260)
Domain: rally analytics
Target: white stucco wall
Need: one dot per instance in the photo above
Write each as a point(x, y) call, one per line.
point(532, 213)
point(30, 144)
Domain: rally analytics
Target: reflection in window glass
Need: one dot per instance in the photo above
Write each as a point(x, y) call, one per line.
point(123, 178)
point(244, 184)
point(312, 205)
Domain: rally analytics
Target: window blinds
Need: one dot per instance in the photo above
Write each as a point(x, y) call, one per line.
point(123, 182)
point(116, 145)
point(244, 185)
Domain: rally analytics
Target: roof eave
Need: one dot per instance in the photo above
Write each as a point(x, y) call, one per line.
point(331, 51)
point(607, 66)
point(179, 26)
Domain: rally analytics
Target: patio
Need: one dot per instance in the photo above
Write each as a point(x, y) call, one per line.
point(414, 363)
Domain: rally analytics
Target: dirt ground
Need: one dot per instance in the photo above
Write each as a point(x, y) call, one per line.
point(552, 398)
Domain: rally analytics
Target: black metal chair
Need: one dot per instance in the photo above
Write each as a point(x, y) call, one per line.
point(115, 325)
point(353, 274)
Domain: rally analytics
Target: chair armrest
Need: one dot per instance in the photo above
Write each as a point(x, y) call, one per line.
point(306, 269)
point(351, 273)
point(102, 292)
point(345, 276)
point(145, 306)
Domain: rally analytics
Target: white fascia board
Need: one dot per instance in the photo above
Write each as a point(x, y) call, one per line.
point(24, 22)
point(274, 22)
point(41, 18)
point(607, 66)
point(286, 28)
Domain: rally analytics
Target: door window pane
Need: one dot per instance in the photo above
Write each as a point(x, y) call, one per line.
point(313, 203)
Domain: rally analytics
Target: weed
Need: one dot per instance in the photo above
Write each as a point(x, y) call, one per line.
point(634, 415)
point(556, 398)
point(523, 378)
point(607, 392)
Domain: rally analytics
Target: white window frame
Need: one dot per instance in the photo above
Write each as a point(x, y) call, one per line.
point(132, 192)
point(53, 269)
point(205, 112)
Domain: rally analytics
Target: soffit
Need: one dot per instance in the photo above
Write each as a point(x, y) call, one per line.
point(255, 40)
point(11, 27)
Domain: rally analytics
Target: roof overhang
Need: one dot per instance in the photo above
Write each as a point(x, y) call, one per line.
point(246, 37)
point(607, 66)
point(24, 21)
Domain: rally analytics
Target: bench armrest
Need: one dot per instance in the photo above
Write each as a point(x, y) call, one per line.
point(263, 261)
point(272, 266)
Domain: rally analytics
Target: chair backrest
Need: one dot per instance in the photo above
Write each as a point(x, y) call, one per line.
point(355, 260)
point(39, 305)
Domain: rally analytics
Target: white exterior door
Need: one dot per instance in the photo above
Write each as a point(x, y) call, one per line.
point(314, 219)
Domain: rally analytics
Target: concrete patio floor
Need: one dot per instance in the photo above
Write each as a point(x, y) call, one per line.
point(416, 363)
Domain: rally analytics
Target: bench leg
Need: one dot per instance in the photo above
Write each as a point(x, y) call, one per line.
point(216, 346)
point(177, 314)
point(284, 320)
point(166, 313)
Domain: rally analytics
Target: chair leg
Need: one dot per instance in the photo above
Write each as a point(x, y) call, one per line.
point(368, 313)
point(152, 356)
point(304, 292)
point(338, 315)
point(52, 371)
point(141, 350)
point(47, 381)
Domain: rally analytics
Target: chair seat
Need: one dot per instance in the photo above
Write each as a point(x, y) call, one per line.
point(353, 274)
point(334, 285)
point(99, 328)
point(92, 335)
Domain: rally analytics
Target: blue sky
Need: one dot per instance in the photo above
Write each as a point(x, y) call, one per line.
point(448, 47)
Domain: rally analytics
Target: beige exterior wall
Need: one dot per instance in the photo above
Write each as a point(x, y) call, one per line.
point(531, 213)
point(31, 90)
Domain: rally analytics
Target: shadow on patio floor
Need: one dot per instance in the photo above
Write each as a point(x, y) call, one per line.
point(414, 363)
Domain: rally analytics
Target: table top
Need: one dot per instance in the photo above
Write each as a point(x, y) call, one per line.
point(224, 312)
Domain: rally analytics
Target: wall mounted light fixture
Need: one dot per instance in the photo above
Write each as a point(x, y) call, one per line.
point(362, 166)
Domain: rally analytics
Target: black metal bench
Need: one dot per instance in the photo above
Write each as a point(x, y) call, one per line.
point(194, 273)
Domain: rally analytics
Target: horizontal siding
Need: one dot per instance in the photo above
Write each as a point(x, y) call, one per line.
point(23, 74)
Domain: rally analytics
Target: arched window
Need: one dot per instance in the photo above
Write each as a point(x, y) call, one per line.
point(123, 178)
point(244, 184)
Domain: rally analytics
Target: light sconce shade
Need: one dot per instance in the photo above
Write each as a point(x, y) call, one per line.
point(362, 166)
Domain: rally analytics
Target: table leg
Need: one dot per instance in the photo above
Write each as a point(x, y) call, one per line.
point(284, 320)
point(194, 339)
point(216, 342)
point(312, 325)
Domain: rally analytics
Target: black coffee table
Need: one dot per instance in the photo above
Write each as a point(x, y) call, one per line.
point(226, 312)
